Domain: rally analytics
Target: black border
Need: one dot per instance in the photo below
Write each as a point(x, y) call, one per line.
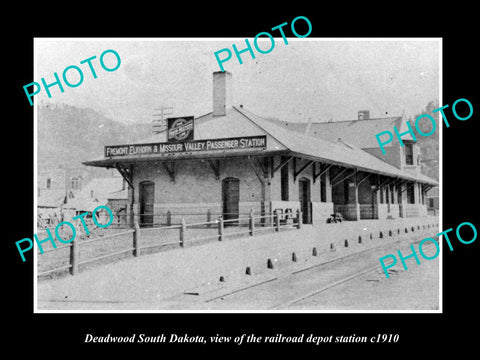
point(455, 329)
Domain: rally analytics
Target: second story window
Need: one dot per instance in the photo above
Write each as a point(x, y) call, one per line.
point(409, 154)
point(74, 183)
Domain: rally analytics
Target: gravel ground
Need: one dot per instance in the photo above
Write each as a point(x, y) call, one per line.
point(152, 282)
point(153, 240)
point(415, 289)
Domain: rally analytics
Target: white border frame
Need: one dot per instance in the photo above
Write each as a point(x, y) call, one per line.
point(439, 311)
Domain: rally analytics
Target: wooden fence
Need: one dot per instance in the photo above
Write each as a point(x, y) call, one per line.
point(241, 226)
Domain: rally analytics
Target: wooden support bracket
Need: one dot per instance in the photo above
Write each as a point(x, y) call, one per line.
point(262, 166)
point(302, 169)
point(170, 169)
point(354, 172)
point(406, 187)
point(255, 170)
point(363, 179)
point(281, 165)
point(126, 174)
point(215, 165)
point(387, 182)
point(338, 175)
point(316, 176)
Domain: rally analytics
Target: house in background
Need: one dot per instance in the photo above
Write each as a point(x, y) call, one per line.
point(360, 133)
point(117, 202)
point(60, 179)
point(108, 191)
point(433, 202)
point(100, 188)
point(50, 206)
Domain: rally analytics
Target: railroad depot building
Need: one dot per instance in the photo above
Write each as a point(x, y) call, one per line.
point(231, 161)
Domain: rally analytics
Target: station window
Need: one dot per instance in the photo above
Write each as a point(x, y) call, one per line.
point(430, 203)
point(409, 154)
point(411, 193)
point(392, 199)
point(74, 183)
point(49, 183)
point(381, 195)
point(323, 187)
point(284, 180)
point(346, 191)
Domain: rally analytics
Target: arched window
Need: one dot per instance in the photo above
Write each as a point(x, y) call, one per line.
point(230, 197)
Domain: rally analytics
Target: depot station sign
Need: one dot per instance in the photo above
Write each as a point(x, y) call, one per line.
point(237, 143)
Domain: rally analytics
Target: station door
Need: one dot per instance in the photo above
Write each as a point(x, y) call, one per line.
point(146, 199)
point(230, 198)
point(304, 197)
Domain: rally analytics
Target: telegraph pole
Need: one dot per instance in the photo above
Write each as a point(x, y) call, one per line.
point(159, 125)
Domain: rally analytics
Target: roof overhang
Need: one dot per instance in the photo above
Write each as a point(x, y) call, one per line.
point(400, 174)
point(128, 160)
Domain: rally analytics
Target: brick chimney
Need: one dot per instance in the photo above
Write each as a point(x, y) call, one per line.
point(222, 92)
point(364, 115)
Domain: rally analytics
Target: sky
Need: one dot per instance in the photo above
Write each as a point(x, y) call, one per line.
point(318, 79)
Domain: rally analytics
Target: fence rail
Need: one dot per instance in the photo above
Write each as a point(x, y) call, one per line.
point(147, 237)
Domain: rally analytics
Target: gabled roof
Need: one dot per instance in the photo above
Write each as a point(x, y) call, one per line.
point(51, 198)
point(338, 153)
point(359, 132)
point(240, 122)
point(119, 195)
point(233, 124)
point(101, 187)
point(84, 204)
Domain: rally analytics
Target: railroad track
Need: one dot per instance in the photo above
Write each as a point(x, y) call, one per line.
point(284, 280)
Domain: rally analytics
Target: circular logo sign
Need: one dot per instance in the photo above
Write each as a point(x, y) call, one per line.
point(180, 129)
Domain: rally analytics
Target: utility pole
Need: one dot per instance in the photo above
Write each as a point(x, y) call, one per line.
point(159, 125)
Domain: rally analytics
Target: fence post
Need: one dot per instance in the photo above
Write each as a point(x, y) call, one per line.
point(209, 218)
point(183, 230)
point(136, 239)
point(220, 228)
point(73, 257)
point(299, 219)
point(251, 223)
point(169, 218)
point(277, 220)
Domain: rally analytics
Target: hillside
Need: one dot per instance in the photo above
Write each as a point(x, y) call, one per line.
point(68, 135)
